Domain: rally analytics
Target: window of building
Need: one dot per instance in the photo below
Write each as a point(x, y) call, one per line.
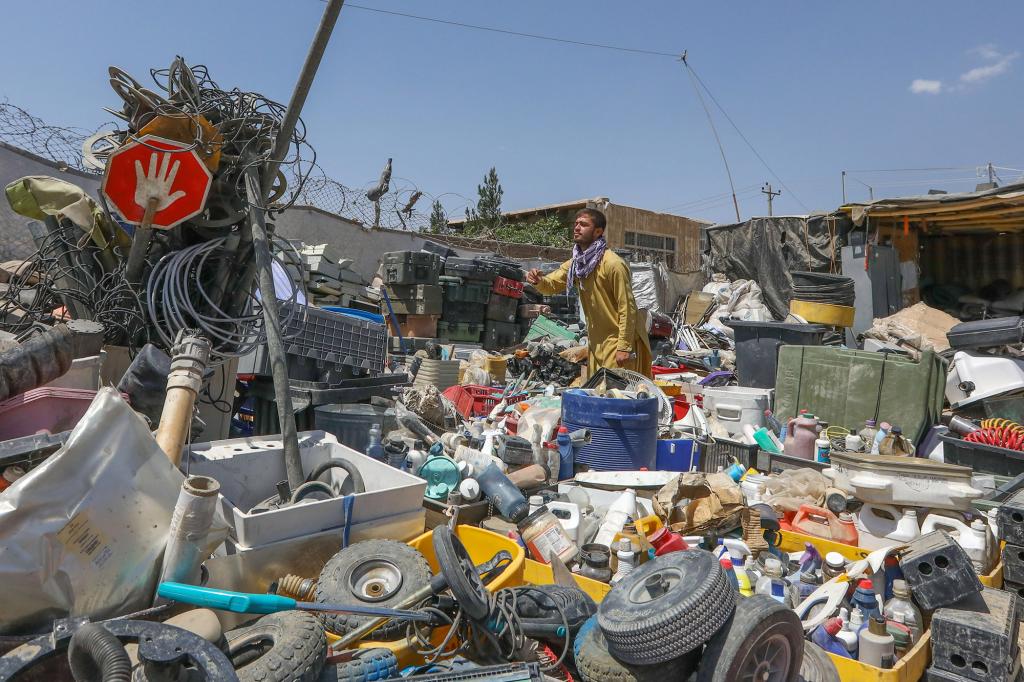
point(653, 248)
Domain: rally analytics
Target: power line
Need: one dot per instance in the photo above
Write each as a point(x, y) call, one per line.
point(910, 170)
point(744, 137)
point(520, 34)
point(715, 198)
point(714, 131)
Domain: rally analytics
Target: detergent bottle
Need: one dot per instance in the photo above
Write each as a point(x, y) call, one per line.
point(882, 525)
point(775, 586)
point(851, 628)
point(825, 636)
point(821, 522)
point(801, 432)
point(864, 599)
point(973, 538)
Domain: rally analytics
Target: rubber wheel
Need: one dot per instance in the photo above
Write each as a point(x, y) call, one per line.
point(595, 664)
point(289, 646)
point(666, 608)
point(817, 666)
point(762, 641)
point(460, 572)
point(372, 573)
point(367, 665)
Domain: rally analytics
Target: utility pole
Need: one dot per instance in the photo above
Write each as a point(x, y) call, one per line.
point(844, 187)
point(767, 189)
point(991, 174)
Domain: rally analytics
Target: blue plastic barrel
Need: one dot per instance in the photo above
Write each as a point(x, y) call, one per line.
point(623, 431)
point(677, 454)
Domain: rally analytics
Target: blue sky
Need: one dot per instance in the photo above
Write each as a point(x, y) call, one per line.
point(815, 87)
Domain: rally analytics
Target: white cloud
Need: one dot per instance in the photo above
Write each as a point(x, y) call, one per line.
point(988, 52)
point(921, 86)
point(984, 73)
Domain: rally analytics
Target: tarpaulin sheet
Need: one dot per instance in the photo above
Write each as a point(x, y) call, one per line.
point(766, 250)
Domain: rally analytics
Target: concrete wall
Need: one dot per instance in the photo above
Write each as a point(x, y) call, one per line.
point(15, 240)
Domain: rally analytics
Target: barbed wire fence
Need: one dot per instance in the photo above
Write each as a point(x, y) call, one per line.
point(404, 207)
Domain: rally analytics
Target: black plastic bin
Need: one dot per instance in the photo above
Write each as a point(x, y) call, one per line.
point(723, 453)
point(757, 347)
point(987, 459)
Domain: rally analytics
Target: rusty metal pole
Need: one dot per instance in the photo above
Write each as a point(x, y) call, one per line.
point(244, 256)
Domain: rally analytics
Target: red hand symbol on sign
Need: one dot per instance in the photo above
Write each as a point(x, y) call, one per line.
point(157, 183)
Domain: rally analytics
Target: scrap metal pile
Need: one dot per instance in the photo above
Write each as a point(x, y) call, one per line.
point(196, 268)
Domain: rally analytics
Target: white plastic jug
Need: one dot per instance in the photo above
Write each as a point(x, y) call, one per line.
point(972, 539)
point(568, 514)
point(882, 525)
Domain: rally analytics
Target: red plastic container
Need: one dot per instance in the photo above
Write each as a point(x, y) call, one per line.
point(661, 327)
point(507, 287)
point(664, 541)
point(43, 409)
point(477, 401)
point(680, 407)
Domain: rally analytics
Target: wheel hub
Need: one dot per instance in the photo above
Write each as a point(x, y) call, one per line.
point(375, 580)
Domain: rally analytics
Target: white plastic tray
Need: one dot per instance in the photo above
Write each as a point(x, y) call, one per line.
point(908, 481)
point(248, 469)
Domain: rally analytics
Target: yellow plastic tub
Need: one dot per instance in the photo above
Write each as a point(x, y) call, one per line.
point(482, 545)
point(669, 388)
point(910, 668)
point(823, 313)
point(536, 573)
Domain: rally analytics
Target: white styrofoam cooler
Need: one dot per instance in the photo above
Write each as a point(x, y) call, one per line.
point(734, 406)
point(249, 468)
point(976, 376)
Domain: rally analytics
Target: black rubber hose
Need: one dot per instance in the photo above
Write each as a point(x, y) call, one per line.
point(359, 486)
point(95, 654)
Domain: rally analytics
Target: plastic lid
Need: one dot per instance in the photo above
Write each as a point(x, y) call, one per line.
point(885, 426)
point(877, 626)
point(773, 567)
point(726, 563)
point(563, 429)
point(869, 422)
point(897, 429)
point(532, 517)
point(626, 545)
point(536, 500)
point(835, 560)
point(866, 584)
point(899, 588)
point(833, 625)
point(857, 617)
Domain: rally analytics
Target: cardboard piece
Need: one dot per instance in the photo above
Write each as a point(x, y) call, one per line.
point(711, 503)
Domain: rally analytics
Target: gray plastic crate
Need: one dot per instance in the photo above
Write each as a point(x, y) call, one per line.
point(321, 345)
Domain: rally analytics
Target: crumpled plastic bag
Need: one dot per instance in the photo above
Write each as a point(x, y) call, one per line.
point(697, 503)
point(745, 302)
point(791, 488)
point(83, 533)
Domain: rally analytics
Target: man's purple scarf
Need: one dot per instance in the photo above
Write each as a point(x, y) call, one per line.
point(585, 262)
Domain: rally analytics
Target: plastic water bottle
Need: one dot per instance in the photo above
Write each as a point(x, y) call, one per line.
point(375, 449)
point(883, 431)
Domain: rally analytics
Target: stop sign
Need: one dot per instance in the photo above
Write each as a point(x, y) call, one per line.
point(153, 167)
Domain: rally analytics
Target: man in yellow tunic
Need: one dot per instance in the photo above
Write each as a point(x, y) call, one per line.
point(616, 337)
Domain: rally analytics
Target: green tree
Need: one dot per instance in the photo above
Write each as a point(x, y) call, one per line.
point(486, 217)
point(438, 218)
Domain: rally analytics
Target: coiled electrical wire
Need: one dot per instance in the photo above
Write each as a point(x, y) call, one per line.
point(497, 638)
point(179, 297)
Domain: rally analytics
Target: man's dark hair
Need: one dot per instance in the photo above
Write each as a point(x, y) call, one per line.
point(594, 215)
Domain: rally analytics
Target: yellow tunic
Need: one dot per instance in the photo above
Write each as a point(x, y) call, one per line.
point(608, 303)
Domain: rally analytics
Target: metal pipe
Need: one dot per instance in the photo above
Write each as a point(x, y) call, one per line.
point(191, 356)
point(190, 526)
point(245, 259)
point(272, 326)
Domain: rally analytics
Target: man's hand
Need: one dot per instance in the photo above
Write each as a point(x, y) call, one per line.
point(622, 357)
point(533, 276)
